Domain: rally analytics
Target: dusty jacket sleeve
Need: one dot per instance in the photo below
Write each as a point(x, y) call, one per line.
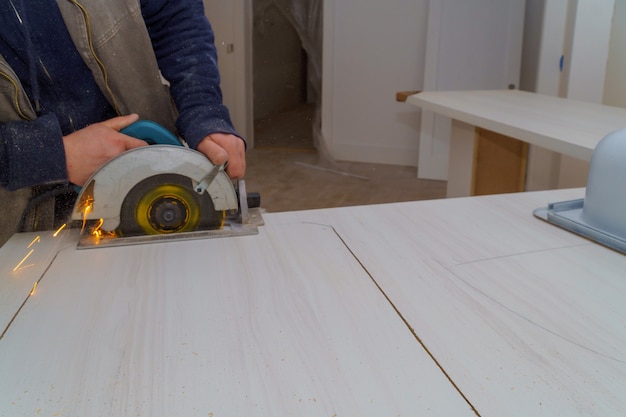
point(32, 153)
point(183, 42)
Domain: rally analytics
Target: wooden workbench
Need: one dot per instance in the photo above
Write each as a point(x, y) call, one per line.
point(568, 127)
point(457, 307)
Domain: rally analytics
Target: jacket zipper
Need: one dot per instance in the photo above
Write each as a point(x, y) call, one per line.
point(16, 95)
point(105, 74)
point(95, 56)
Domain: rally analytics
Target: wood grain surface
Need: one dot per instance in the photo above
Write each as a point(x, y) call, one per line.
point(447, 307)
point(566, 126)
point(286, 323)
point(23, 263)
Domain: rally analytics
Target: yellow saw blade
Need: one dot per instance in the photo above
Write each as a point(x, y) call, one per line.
point(167, 208)
point(165, 204)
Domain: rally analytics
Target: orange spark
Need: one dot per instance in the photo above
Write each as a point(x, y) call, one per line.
point(35, 240)
point(23, 260)
point(59, 230)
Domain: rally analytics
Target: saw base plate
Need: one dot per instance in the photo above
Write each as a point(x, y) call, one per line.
point(232, 227)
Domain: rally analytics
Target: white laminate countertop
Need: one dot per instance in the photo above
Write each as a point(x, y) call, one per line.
point(567, 126)
point(458, 307)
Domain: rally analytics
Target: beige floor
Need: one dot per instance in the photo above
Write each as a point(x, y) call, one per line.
point(286, 170)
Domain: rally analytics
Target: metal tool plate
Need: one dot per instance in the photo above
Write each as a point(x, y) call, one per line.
point(568, 215)
point(231, 228)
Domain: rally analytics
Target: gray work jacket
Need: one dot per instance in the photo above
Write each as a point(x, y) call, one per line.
point(115, 46)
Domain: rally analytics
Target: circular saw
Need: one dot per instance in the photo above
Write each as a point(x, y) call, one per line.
point(158, 192)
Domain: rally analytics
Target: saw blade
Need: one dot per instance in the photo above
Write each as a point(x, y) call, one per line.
point(165, 204)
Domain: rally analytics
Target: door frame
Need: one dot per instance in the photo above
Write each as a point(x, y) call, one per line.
point(234, 49)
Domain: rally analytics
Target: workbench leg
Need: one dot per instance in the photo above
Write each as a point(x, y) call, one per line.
point(484, 162)
point(461, 160)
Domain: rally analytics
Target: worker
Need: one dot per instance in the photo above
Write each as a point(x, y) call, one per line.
point(73, 73)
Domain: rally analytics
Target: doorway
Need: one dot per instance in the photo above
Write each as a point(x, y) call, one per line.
point(286, 44)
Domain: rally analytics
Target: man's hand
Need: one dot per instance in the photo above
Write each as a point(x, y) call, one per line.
point(221, 147)
point(89, 148)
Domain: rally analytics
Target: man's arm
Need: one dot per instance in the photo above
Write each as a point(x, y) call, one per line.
point(183, 42)
point(31, 153)
point(36, 153)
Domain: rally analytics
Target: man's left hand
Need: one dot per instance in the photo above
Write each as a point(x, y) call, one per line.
point(221, 148)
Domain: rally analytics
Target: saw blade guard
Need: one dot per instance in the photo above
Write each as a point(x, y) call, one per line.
point(104, 193)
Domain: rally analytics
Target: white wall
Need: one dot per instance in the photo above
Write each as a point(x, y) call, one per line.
point(544, 40)
point(473, 45)
point(589, 50)
point(615, 84)
point(371, 50)
point(585, 73)
point(582, 31)
point(544, 43)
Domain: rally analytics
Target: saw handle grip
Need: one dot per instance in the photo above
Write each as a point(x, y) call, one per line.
point(152, 133)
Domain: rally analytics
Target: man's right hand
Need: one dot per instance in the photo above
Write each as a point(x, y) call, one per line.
point(89, 148)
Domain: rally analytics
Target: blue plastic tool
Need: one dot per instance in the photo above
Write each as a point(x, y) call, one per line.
point(151, 132)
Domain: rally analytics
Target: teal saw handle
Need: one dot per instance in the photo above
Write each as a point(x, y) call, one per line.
point(152, 133)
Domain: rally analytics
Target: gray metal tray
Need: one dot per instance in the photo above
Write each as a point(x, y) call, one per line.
point(568, 215)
